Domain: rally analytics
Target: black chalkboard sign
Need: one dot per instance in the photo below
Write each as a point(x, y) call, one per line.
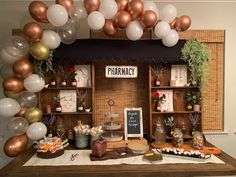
point(133, 122)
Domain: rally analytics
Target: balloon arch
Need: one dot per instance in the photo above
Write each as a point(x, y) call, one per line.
point(20, 84)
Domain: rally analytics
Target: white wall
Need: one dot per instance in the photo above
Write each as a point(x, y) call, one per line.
point(204, 15)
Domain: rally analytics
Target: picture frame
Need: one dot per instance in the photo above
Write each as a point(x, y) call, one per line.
point(133, 122)
point(68, 100)
point(83, 75)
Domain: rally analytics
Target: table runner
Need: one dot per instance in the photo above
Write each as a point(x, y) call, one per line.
point(83, 159)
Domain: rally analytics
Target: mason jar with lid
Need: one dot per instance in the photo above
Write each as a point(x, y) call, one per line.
point(160, 134)
point(177, 137)
point(198, 140)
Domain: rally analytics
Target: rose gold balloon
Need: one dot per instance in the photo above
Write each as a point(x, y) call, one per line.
point(22, 112)
point(122, 19)
point(13, 84)
point(33, 32)
point(109, 28)
point(22, 68)
point(183, 23)
point(68, 4)
point(135, 8)
point(122, 4)
point(148, 19)
point(173, 23)
point(15, 145)
point(38, 10)
point(91, 5)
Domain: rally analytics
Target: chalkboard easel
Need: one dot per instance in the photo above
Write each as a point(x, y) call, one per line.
point(133, 122)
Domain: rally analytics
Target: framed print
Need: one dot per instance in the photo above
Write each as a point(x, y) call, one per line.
point(83, 75)
point(68, 100)
point(179, 75)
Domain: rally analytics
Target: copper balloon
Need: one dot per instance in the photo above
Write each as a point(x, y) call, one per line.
point(173, 23)
point(148, 19)
point(38, 10)
point(122, 19)
point(15, 145)
point(22, 68)
point(33, 115)
point(13, 84)
point(122, 4)
point(68, 4)
point(183, 23)
point(33, 31)
point(109, 28)
point(135, 8)
point(91, 5)
point(22, 112)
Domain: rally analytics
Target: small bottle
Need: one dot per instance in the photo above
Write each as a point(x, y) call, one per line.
point(160, 135)
point(178, 139)
point(53, 82)
point(71, 136)
point(158, 107)
point(157, 82)
point(74, 82)
point(198, 140)
point(58, 107)
point(63, 83)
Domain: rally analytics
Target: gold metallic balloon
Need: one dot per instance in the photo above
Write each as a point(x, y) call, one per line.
point(13, 84)
point(33, 115)
point(15, 145)
point(135, 8)
point(91, 5)
point(122, 4)
point(109, 28)
point(122, 19)
point(38, 10)
point(33, 32)
point(148, 19)
point(39, 51)
point(22, 68)
point(11, 94)
point(68, 4)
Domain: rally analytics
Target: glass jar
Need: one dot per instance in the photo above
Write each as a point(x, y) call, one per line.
point(160, 134)
point(198, 140)
point(177, 137)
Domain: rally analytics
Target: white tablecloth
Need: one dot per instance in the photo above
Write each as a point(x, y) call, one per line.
point(83, 159)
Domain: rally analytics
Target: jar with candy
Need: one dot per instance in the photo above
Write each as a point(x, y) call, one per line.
point(177, 137)
point(198, 140)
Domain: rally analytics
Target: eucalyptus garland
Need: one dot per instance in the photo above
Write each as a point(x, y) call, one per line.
point(41, 67)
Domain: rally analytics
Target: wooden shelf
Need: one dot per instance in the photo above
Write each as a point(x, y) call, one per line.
point(178, 112)
point(186, 137)
point(66, 88)
point(68, 113)
point(171, 87)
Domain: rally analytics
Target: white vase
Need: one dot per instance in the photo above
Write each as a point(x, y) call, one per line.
point(196, 107)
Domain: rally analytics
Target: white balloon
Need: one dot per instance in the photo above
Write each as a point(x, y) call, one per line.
point(51, 39)
point(96, 20)
point(80, 12)
point(149, 5)
point(34, 83)
point(17, 126)
point(9, 107)
point(57, 15)
point(168, 13)
point(108, 8)
point(5, 56)
point(134, 30)
point(36, 131)
point(162, 29)
point(171, 38)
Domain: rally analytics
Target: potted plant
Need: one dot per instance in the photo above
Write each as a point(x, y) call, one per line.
point(169, 125)
point(196, 98)
point(158, 99)
point(195, 121)
point(158, 69)
point(188, 101)
point(197, 56)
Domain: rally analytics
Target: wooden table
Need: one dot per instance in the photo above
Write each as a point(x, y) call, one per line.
point(15, 169)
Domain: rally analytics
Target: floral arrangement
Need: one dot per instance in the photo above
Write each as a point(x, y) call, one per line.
point(158, 98)
point(82, 129)
point(169, 121)
point(195, 119)
point(96, 131)
point(72, 72)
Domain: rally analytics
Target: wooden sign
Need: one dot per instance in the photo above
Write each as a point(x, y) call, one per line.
point(133, 122)
point(121, 71)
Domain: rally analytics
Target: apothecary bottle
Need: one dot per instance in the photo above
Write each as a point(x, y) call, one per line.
point(160, 134)
point(198, 140)
point(177, 137)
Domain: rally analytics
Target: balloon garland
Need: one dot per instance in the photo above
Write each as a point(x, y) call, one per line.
point(20, 83)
